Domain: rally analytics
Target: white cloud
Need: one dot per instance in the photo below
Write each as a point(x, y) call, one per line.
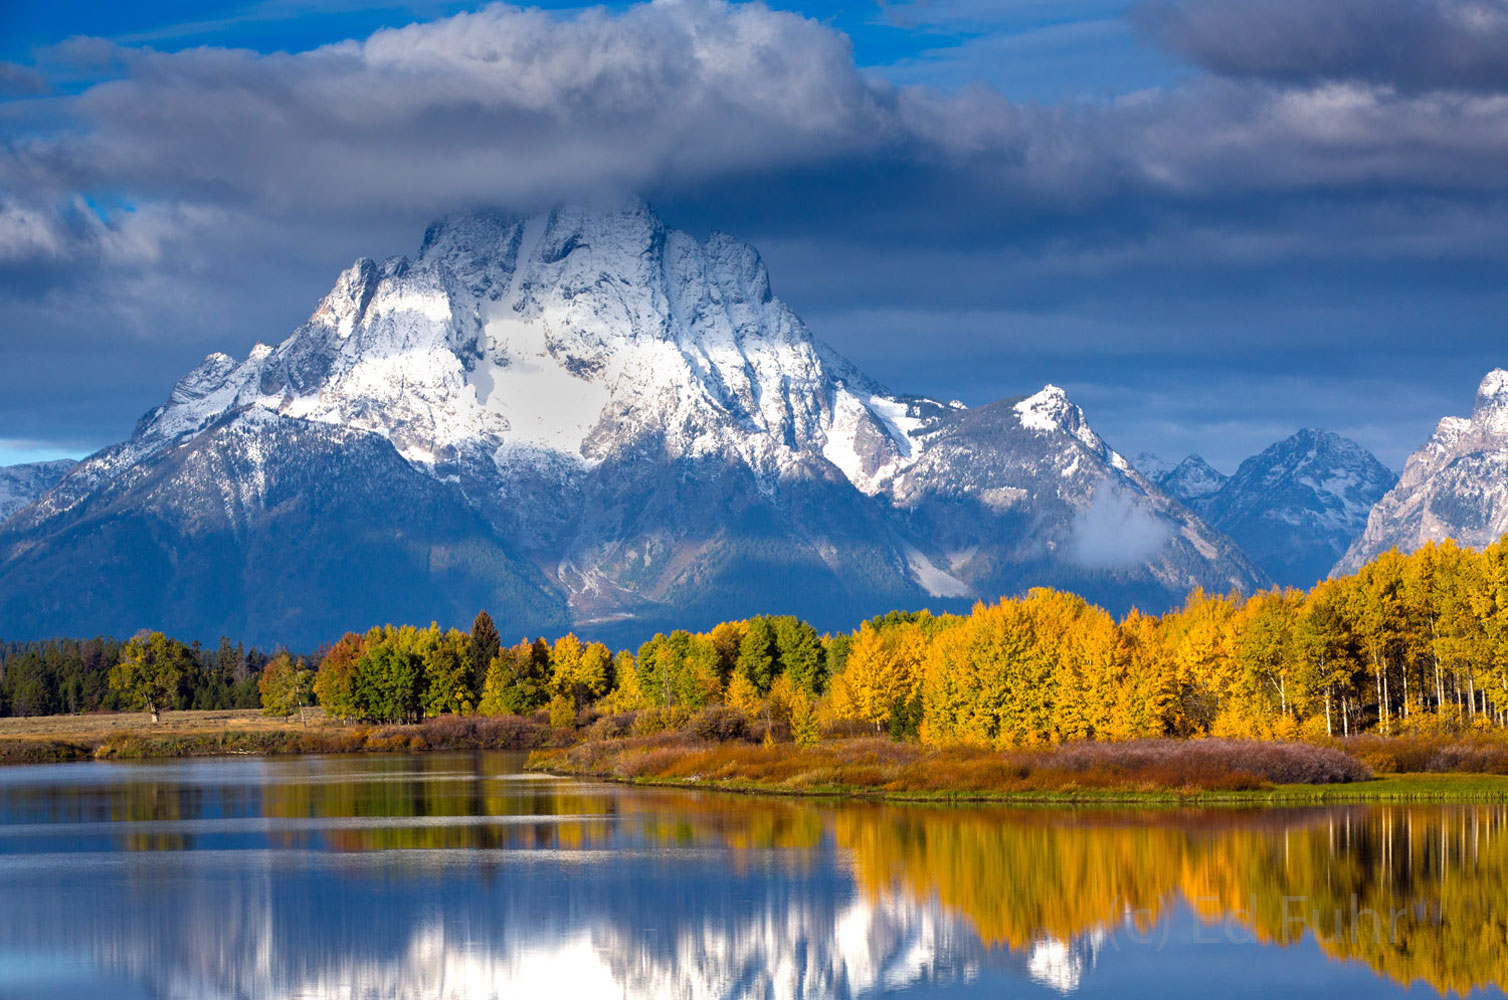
point(1116, 531)
point(1018, 238)
point(514, 107)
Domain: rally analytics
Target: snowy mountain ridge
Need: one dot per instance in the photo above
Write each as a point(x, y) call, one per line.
point(1455, 486)
point(22, 484)
point(643, 422)
point(1297, 505)
point(543, 349)
point(1293, 508)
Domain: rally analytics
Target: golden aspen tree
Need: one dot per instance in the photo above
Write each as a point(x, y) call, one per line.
point(626, 695)
point(883, 672)
point(743, 695)
point(1145, 700)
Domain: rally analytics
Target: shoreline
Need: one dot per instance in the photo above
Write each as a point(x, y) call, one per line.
point(240, 734)
point(558, 752)
point(1387, 789)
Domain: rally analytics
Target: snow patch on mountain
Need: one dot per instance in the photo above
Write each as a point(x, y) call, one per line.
point(1455, 486)
point(1296, 506)
point(21, 485)
point(934, 580)
point(1193, 481)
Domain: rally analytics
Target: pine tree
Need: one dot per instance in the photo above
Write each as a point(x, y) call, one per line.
point(757, 654)
point(485, 644)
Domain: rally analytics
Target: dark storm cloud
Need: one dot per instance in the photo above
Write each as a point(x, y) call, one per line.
point(199, 200)
point(1410, 44)
point(20, 81)
point(514, 107)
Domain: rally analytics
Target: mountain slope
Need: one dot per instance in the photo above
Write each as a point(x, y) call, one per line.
point(1024, 493)
point(21, 484)
point(1456, 486)
point(631, 424)
point(1295, 507)
point(1193, 482)
point(262, 527)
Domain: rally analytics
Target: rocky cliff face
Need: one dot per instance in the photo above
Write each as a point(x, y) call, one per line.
point(1296, 507)
point(1456, 486)
point(1193, 481)
point(617, 424)
point(22, 484)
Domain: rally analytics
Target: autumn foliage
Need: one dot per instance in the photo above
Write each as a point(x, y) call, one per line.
point(1410, 645)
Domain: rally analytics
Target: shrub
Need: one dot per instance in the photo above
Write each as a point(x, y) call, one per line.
point(720, 723)
point(1480, 753)
point(660, 720)
point(484, 732)
point(609, 727)
point(1165, 759)
point(562, 712)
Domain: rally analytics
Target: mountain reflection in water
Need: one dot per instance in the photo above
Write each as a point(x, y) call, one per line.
point(440, 876)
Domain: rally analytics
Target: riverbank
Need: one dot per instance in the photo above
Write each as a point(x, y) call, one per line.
point(132, 736)
point(1144, 772)
point(870, 768)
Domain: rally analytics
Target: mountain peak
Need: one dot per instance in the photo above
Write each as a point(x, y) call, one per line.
point(1047, 410)
point(1451, 487)
point(22, 484)
point(633, 425)
point(1151, 465)
point(1492, 394)
point(1192, 480)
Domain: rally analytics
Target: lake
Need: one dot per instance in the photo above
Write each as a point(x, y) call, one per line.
point(459, 875)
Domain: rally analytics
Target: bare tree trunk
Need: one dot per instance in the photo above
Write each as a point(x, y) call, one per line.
point(1328, 731)
point(1387, 714)
point(1434, 637)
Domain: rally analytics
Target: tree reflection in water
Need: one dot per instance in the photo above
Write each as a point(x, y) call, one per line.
point(453, 875)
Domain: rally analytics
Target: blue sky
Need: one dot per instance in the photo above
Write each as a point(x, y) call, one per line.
point(1212, 221)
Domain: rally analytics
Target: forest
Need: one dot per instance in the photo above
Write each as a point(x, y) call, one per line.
point(72, 676)
point(1410, 643)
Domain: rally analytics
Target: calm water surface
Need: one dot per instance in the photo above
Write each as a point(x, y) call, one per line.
point(449, 876)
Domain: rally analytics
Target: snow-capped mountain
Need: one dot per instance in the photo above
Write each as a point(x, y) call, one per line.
point(1295, 507)
point(630, 424)
point(1456, 486)
point(1192, 481)
point(21, 484)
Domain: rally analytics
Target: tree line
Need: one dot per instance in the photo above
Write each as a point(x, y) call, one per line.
point(71, 676)
point(1408, 642)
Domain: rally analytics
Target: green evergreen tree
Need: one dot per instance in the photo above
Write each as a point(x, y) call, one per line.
point(758, 654)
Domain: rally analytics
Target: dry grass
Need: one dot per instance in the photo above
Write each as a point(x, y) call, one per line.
point(880, 765)
point(1473, 753)
point(102, 724)
point(207, 734)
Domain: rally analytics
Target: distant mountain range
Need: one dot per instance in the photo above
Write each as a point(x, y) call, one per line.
point(22, 484)
point(580, 419)
point(589, 420)
point(1294, 508)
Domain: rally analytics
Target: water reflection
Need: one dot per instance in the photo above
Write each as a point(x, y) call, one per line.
point(456, 876)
